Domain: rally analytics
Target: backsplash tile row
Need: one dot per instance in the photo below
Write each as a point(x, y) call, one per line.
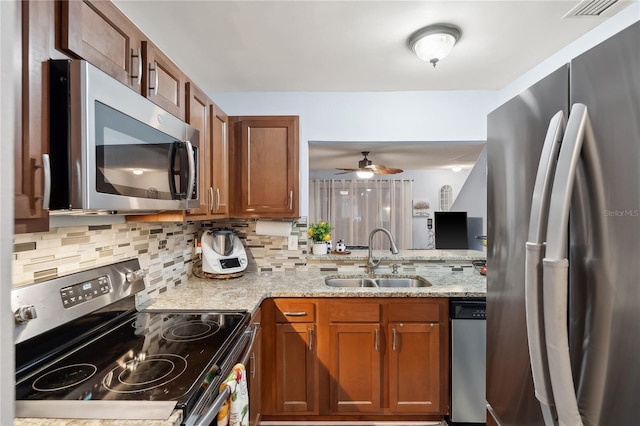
point(164, 250)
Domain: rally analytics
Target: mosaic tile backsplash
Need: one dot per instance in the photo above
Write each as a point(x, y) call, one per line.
point(165, 250)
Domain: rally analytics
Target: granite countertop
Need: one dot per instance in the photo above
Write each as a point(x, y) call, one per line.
point(248, 291)
point(418, 255)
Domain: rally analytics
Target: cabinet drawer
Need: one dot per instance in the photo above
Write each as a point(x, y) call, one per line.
point(354, 310)
point(295, 311)
point(429, 311)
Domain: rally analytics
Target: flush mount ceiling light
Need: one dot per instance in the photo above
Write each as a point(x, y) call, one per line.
point(434, 42)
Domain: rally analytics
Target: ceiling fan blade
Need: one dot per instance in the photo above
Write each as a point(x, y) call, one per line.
point(342, 173)
point(388, 171)
point(347, 170)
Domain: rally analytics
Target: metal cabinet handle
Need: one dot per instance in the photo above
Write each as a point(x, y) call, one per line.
point(310, 336)
point(375, 339)
point(295, 314)
point(290, 200)
point(394, 338)
point(210, 198)
point(217, 199)
point(46, 190)
point(138, 76)
point(154, 69)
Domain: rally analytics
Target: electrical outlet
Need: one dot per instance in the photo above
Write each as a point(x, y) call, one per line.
point(293, 242)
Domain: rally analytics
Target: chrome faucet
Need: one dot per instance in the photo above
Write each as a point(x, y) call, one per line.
point(373, 264)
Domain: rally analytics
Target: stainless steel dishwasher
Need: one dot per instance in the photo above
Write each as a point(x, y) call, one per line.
point(468, 361)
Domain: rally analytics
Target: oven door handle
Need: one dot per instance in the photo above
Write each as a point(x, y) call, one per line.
point(212, 412)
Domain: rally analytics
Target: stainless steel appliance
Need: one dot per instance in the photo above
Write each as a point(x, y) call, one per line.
point(222, 252)
point(83, 351)
point(563, 242)
point(468, 360)
point(112, 150)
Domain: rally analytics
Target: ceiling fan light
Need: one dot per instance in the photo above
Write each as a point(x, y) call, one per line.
point(364, 174)
point(433, 43)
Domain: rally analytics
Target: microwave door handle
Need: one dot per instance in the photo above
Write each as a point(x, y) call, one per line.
point(46, 176)
point(579, 141)
point(533, 266)
point(192, 170)
point(172, 170)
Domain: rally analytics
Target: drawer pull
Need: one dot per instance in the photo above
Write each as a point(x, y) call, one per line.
point(295, 314)
point(394, 335)
point(375, 340)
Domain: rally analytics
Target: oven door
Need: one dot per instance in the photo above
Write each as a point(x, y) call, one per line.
point(209, 404)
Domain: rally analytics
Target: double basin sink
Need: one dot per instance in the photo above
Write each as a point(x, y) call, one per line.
point(378, 282)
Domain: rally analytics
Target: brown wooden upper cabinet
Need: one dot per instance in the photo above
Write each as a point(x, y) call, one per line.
point(219, 162)
point(100, 33)
point(264, 166)
point(32, 138)
point(162, 81)
point(203, 114)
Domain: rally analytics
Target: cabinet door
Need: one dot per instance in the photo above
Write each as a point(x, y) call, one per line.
point(198, 114)
point(220, 162)
point(32, 133)
point(415, 377)
point(100, 33)
point(267, 157)
point(296, 369)
point(355, 368)
point(162, 81)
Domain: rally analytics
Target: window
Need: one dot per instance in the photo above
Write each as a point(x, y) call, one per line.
point(355, 207)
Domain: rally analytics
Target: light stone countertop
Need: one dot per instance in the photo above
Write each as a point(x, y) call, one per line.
point(246, 293)
point(404, 255)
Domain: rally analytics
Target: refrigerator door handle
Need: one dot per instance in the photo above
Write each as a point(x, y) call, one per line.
point(533, 266)
point(578, 137)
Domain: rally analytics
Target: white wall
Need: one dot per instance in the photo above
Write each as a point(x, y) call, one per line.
point(602, 32)
point(9, 63)
point(368, 116)
point(473, 200)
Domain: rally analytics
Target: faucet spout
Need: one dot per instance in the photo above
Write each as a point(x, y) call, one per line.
point(371, 263)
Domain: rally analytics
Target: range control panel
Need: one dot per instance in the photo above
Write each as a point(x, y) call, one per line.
point(82, 292)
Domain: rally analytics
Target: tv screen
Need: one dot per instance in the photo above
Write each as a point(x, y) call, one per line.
point(451, 230)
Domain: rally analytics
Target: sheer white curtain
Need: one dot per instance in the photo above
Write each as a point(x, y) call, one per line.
point(355, 207)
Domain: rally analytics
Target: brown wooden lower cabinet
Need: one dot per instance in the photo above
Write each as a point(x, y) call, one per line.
point(356, 359)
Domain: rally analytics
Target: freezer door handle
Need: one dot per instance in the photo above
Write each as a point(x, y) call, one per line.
point(533, 266)
point(578, 143)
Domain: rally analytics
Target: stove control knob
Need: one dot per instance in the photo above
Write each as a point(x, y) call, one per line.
point(25, 313)
point(135, 275)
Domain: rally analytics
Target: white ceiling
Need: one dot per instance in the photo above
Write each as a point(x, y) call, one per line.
point(300, 45)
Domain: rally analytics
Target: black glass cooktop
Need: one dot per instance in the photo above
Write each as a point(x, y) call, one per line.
point(146, 356)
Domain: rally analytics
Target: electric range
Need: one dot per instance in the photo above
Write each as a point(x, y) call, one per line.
point(84, 351)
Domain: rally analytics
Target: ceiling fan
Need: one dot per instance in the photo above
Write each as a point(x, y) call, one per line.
point(367, 169)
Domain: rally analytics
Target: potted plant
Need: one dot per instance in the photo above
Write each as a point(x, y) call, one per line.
point(320, 233)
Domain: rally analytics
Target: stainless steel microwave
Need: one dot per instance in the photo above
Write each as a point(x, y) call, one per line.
point(112, 150)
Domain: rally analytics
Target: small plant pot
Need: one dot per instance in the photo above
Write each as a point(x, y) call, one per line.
point(319, 247)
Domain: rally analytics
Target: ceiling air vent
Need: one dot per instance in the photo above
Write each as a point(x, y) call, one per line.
point(590, 8)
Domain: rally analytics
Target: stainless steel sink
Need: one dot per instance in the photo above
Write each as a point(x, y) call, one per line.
point(402, 282)
point(399, 282)
point(350, 282)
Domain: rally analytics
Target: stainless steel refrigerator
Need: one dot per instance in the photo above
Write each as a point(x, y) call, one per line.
point(563, 260)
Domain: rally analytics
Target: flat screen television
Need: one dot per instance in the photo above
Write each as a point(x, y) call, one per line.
point(451, 230)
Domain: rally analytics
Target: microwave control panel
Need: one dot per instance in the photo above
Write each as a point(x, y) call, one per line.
point(83, 292)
